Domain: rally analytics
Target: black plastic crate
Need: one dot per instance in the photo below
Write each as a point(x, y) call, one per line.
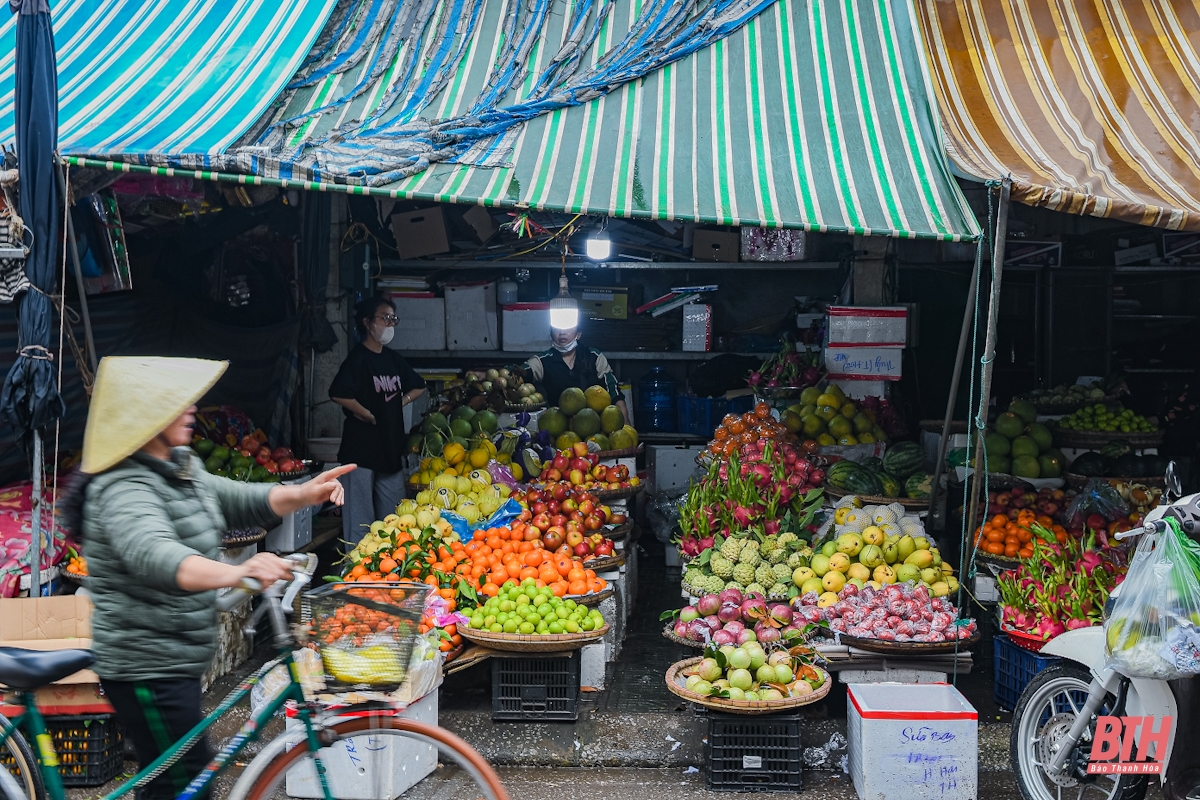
point(90, 750)
point(753, 753)
point(536, 689)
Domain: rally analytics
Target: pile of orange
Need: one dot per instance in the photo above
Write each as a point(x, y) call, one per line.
point(355, 623)
point(504, 554)
point(1001, 536)
point(451, 638)
point(77, 565)
point(735, 431)
point(481, 565)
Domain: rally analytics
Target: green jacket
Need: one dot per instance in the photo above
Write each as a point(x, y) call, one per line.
point(140, 520)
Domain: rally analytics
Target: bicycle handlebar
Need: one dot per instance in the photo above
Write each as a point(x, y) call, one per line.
point(278, 596)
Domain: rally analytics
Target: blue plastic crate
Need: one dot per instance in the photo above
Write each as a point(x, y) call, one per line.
point(1014, 668)
point(705, 414)
point(740, 405)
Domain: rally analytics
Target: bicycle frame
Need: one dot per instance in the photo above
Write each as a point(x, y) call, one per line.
point(31, 721)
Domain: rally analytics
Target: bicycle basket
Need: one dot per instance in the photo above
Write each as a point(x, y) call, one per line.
point(364, 632)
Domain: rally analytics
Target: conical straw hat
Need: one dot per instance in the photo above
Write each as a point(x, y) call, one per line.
point(135, 398)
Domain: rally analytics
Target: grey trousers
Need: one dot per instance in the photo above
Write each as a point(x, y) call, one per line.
point(370, 495)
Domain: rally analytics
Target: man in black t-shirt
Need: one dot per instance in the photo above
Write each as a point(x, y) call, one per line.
point(373, 386)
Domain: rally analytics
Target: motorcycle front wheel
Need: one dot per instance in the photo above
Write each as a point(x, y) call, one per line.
point(1045, 713)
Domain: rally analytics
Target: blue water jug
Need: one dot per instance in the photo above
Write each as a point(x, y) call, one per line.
point(656, 402)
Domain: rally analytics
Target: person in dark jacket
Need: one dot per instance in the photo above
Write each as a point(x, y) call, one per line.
point(151, 520)
point(373, 386)
point(568, 364)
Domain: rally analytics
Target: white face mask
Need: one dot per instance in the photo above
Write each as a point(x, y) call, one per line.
point(386, 335)
point(566, 348)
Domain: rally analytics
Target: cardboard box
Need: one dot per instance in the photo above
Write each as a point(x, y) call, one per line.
point(669, 468)
point(420, 322)
point(421, 232)
point(480, 221)
point(697, 328)
point(868, 326)
point(865, 363)
point(48, 623)
point(472, 321)
point(604, 302)
point(62, 699)
point(525, 327)
point(716, 245)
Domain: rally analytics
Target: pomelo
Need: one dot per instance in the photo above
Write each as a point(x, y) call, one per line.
point(586, 423)
point(1026, 467)
point(1023, 409)
point(597, 398)
point(567, 440)
point(1010, 425)
point(611, 419)
point(572, 401)
point(1024, 446)
point(553, 422)
point(1040, 434)
point(997, 445)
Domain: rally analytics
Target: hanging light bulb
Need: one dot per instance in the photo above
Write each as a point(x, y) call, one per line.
point(564, 309)
point(598, 247)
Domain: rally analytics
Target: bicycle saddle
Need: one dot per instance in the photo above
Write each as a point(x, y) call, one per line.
point(26, 670)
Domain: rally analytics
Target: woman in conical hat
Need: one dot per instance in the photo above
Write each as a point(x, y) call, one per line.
point(152, 519)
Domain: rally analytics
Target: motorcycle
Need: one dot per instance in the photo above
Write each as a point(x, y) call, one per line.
point(1054, 723)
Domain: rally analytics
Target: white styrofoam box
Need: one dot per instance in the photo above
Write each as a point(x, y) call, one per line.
point(295, 530)
point(508, 419)
point(420, 322)
point(875, 326)
point(697, 328)
point(525, 326)
point(891, 675)
point(857, 390)
point(985, 589)
point(472, 321)
point(912, 743)
point(592, 666)
point(669, 468)
point(369, 767)
point(865, 363)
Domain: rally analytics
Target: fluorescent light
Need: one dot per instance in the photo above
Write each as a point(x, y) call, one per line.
point(599, 247)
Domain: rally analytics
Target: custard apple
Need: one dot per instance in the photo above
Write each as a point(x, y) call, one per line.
point(756, 588)
point(786, 538)
point(777, 556)
point(749, 557)
point(783, 573)
point(764, 574)
point(797, 560)
point(743, 574)
point(778, 590)
point(721, 566)
point(713, 584)
point(731, 547)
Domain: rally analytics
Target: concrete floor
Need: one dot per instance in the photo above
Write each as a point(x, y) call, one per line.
point(634, 740)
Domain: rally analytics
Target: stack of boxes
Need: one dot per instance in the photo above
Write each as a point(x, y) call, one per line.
point(865, 347)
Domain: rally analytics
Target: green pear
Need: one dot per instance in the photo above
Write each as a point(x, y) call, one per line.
point(922, 543)
point(906, 573)
point(929, 575)
point(906, 546)
point(919, 559)
point(937, 556)
point(891, 552)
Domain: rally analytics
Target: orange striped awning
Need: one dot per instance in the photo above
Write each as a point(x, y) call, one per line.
point(1092, 106)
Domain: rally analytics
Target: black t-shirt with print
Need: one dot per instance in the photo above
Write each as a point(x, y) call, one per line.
point(378, 381)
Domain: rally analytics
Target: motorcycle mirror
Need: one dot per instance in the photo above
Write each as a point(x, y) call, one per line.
point(1174, 490)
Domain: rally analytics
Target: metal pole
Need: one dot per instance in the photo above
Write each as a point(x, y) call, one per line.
point(83, 303)
point(35, 536)
point(963, 337)
point(989, 350)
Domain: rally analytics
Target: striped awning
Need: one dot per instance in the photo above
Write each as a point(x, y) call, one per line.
point(804, 114)
point(190, 76)
point(1092, 106)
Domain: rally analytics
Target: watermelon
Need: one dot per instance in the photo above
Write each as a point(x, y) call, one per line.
point(919, 486)
point(903, 459)
point(872, 463)
point(891, 486)
point(857, 480)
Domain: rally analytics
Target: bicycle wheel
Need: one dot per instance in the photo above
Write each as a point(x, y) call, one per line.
point(18, 760)
point(267, 771)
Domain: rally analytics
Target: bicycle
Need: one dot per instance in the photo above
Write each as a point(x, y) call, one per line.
point(33, 774)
